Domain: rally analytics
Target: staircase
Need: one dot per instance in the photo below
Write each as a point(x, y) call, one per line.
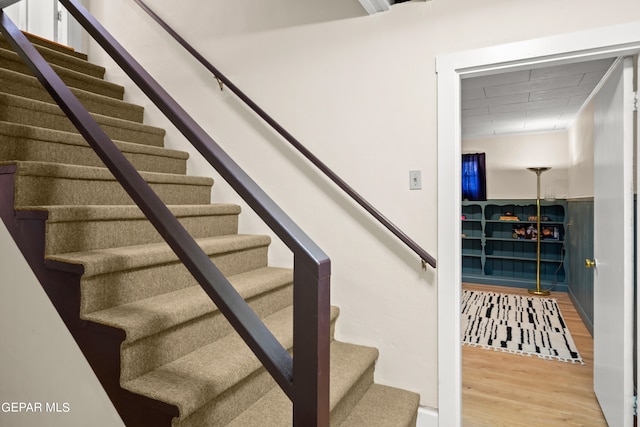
point(161, 349)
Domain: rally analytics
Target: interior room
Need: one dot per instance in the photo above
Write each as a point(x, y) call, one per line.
point(530, 132)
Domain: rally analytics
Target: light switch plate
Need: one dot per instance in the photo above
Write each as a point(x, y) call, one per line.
point(415, 180)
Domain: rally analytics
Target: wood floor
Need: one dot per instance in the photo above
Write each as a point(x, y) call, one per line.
point(501, 389)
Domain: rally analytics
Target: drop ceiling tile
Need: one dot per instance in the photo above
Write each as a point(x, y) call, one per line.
point(557, 93)
point(571, 69)
point(554, 111)
point(505, 121)
point(475, 120)
point(496, 100)
point(509, 115)
point(485, 129)
point(510, 127)
point(473, 93)
point(554, 102)
point(534, 86)
point(592, 79)
point(475, 112)
point(496, 80)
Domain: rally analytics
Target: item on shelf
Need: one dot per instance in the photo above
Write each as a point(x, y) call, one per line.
point(508, 216)
point(519, 232)
point(550, 232)
point(535, 218)
point(464, 217)
point(531, 232)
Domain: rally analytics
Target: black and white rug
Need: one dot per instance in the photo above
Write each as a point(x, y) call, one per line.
point(517, 324)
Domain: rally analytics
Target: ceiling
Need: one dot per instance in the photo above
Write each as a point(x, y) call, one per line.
point(533, 100)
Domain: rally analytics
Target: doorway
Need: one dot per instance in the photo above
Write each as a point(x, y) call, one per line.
point(592, 44)
point(44, 18)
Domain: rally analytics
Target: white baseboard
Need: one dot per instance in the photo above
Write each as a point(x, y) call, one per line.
point(427, 417)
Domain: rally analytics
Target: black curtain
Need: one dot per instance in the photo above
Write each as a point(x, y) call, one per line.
point(474, 177)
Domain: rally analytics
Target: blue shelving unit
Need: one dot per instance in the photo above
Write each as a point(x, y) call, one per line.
point(493, 253)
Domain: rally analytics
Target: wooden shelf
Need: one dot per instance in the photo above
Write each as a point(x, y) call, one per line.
point(491, 254)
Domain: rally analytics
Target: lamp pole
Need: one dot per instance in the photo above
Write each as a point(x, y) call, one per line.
point(538, 290)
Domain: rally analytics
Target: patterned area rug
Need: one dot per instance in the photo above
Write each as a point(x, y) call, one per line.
point(516, 324)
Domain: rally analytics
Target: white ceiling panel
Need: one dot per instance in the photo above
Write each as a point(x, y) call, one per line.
point(533, 85)
point(540, 99)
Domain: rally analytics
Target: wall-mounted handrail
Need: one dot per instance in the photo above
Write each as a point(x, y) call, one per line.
point(423, 254)
point(305, 378)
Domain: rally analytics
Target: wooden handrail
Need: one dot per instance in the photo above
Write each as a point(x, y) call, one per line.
point(304, 379)
point(423, 254)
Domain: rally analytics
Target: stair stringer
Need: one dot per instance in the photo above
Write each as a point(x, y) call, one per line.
point(100, 344)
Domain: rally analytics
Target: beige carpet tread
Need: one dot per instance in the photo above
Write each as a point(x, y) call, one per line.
point(99, 174)
point(72, 138)
point(63, 60)
point(31, 143)
point(384, 406)
point(123, 212)
point(54, 46)
point(10, 60)
point(133, 257)
point(78, 228)
point(31, 112)
point(19, 84)
point(348, 363)
point(152, 315)
point(41, 183)
point(201, 376)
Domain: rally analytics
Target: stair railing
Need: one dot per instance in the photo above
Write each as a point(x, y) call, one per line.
point(425, 257)
point(303, 378)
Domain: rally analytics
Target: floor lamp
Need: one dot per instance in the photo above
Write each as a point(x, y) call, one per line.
point(538, 290)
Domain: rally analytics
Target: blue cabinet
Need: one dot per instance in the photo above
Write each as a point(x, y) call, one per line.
point(499, 243)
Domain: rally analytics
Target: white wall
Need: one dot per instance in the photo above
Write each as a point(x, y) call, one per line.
point(508, 157)
point(581, 154)
point(361, 93)
point(41, 363)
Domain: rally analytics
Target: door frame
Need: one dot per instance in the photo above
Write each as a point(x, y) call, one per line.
point(617, 40)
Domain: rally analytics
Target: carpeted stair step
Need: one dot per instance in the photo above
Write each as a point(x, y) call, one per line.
point(11, 61)
point(217, 382)
point(30, 143)
point(37, 40)
point(91, 227)
point(153, 326)
point(384, 406)
point(119, 276)
point(30, 112)
point(351, 376)
point(63, 59)
point(43, 184)
point(26, 86)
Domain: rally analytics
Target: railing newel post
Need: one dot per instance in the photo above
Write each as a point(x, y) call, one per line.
point(311, 341)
